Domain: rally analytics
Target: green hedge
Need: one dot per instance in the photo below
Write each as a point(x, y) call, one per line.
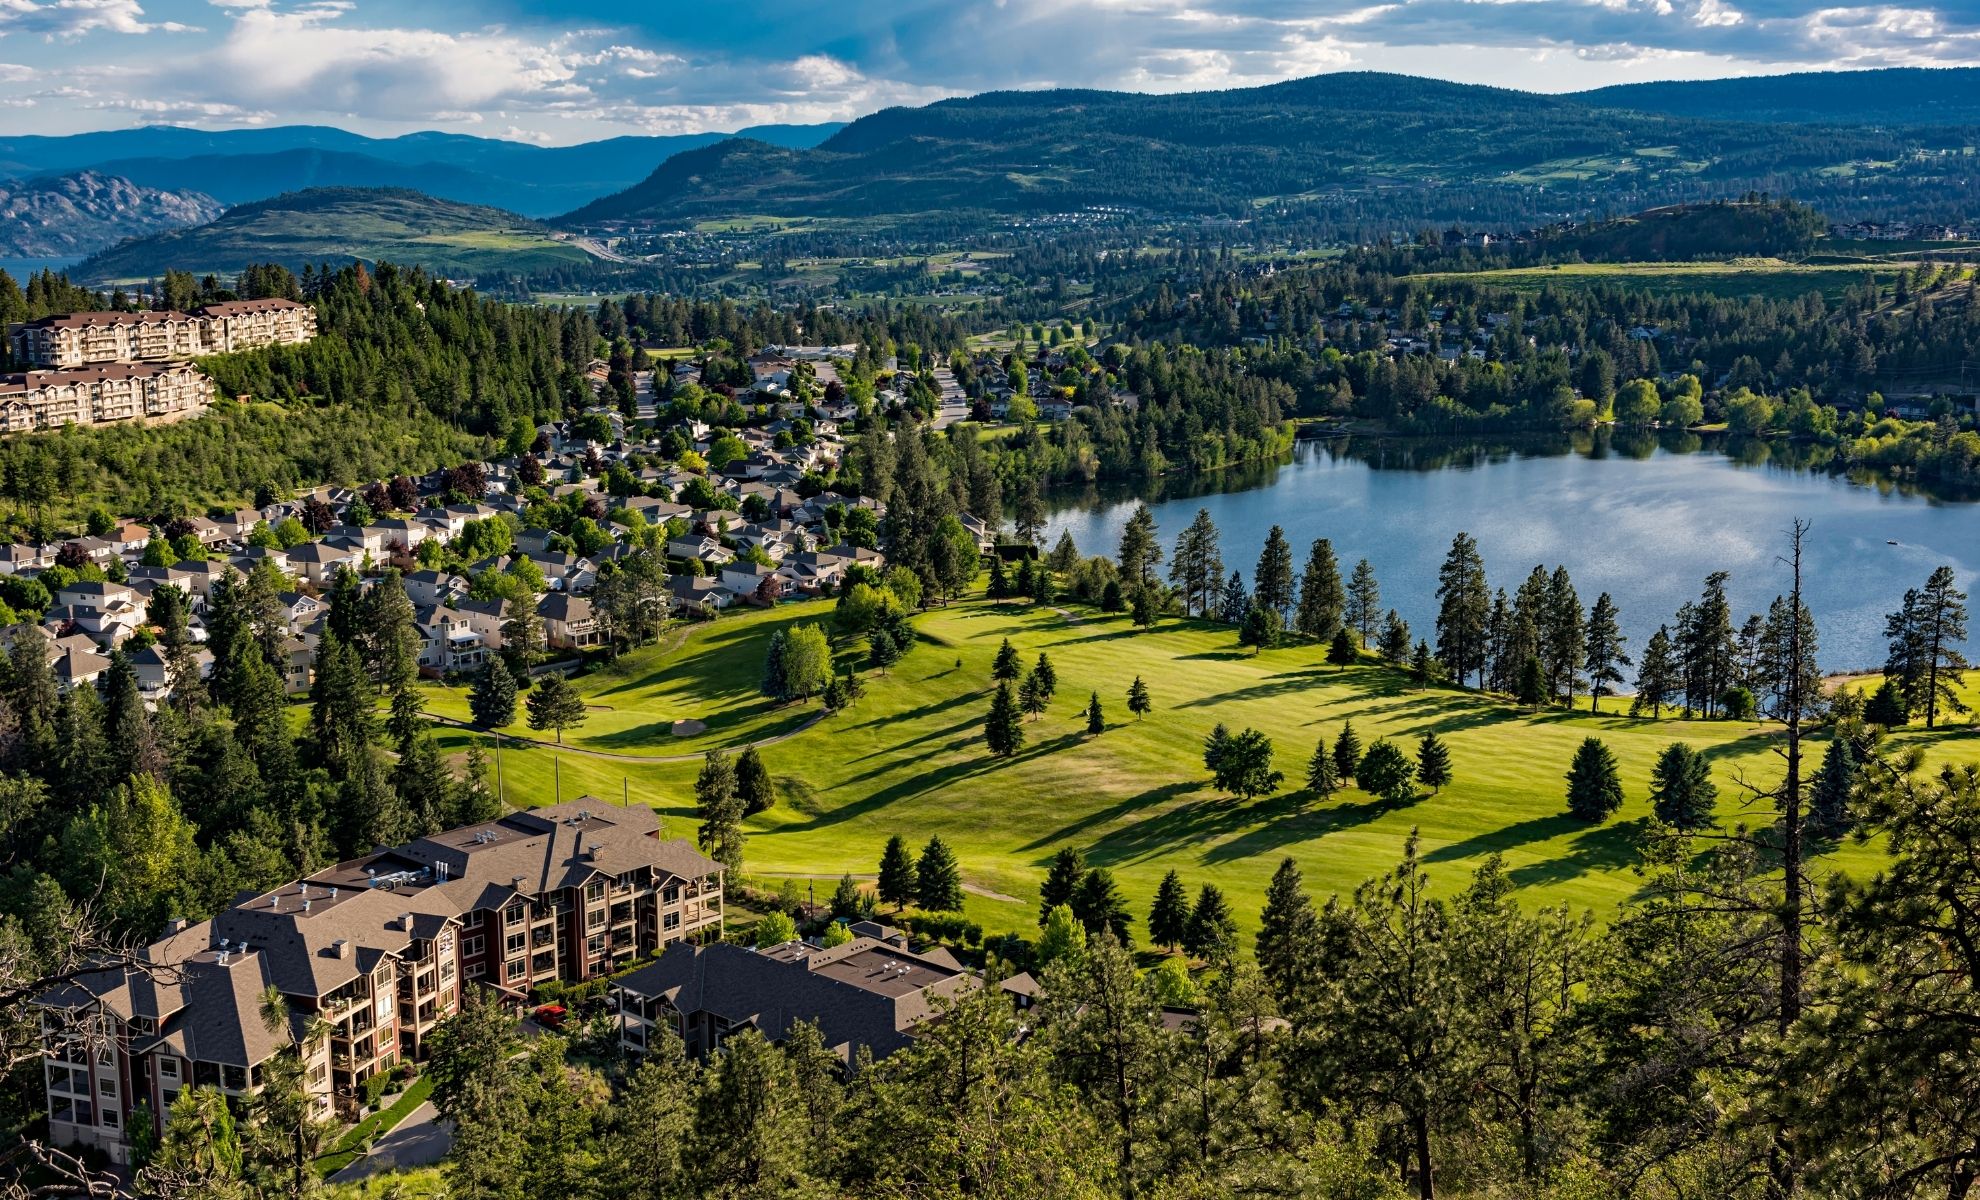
point(358, 1136)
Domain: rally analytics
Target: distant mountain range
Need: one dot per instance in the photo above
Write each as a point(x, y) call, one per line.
point(339, 225)
point(80, 213)
point(238, 166)
point(1393, 147)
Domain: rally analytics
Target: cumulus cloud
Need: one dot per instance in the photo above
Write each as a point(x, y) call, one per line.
point(70, 19)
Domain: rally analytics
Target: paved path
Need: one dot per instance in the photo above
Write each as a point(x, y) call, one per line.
point(420, 1140)
point(954, 406)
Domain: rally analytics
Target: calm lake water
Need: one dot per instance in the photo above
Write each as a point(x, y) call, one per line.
point(1641, 518)
point(21, 268)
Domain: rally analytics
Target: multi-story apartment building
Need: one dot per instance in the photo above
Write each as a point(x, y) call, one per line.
point(101, 394)
point(379, 949)
point(88, 338)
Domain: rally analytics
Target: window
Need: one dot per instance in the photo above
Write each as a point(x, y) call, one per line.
point(594, 919)
point(672, 895)
point(472, 920)
point(109, 1118)
point(516, 914)
point(595, 890)
point(671, 921)
point(472, 947)
point(107, 1085)
point(514, 971)
point(595, 944)
point(516, 943)
point(168, 1068)
point(475, 970)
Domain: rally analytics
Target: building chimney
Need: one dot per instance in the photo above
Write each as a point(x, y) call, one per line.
point(405, 922)
point(341, 948)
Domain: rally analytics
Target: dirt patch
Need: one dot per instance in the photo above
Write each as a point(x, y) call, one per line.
point(689, 727)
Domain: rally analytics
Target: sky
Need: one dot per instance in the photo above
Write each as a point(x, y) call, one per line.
point(565, 71)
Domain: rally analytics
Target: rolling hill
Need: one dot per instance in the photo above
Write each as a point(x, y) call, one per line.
point(1398, 147)
point(238, 166)
point(338, 225)
point(1893, 96)
point(86, 211)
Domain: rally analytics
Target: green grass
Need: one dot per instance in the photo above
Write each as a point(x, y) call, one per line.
point(353, 1142)
point(910, 759)
point(420, 1183)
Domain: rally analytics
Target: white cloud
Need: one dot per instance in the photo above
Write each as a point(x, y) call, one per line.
point(70, 19)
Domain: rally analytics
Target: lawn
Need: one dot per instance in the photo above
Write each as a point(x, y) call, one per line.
point(1739, 278)
point(910, 758)
point(352, 1143)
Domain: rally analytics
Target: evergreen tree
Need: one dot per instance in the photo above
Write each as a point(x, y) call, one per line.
point(1096, 721)
point(492, 697)
point(1261, 627)
point(1531, 688)
point(1565, 643)
point(1099, 906)
point(1347, 753)
point(1657, 679)
point(1138, 702)
point(1681, 789)
point(1887, 706)
point(1004, 729)
point(1007, 668)
point(1322, 776)
point(1168, 916)
point(1065, 555)
point(1197, 568)
point(1242, 765)
point(1422, 667)
point(1236, 603)
point(1395, 644)
point(1606, 657)
point(1342, 652)
point(1832, 791)
point(1211, 934)
point(1287, 934)
point(1364, 603)
point(555, 704)
point(716, 802)
point(340, 704)
point(1463, 610)
point(938, 878)
point(1433, 761)
point(1594, 783)
point(1140, 547)
point(1272, 582)
point(1031, 695)
point(753, 783)
point(1322, 600)
point(1061, 881)
point(896, 882)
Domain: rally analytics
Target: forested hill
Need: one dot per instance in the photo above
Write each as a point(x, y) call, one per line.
point(1426, 148)
point(340, 225)
point(1894, 95)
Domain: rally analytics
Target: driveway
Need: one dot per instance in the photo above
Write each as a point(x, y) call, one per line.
point(420, 1140)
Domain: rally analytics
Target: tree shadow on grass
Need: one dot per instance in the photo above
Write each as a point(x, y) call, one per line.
point(1271, 685)
point(925, 780)
point(1298, 823)
point(1147, 799)
point(1601, 848)
point(1505, 837)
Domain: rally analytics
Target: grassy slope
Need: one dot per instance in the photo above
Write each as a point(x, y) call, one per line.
point(1763, 277)
point(910, 759)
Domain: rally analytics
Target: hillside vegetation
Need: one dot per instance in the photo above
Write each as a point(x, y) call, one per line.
point(339, 226)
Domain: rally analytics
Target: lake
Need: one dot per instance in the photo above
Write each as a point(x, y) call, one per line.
point(21, 268)
point(1642, 518)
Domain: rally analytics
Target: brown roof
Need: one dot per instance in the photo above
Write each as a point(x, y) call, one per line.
point(235, 308)
point(103, 373)
point(87, 320)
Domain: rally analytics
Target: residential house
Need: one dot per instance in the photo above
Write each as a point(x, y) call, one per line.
point(569, 622)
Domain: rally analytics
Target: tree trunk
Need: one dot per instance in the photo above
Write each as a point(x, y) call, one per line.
point(1425, 1187)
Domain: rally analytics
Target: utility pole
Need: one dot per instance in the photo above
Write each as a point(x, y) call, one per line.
point(501, 792)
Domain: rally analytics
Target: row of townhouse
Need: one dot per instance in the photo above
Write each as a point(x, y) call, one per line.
point(380, 949)
point(80, 339)
point(95, 395)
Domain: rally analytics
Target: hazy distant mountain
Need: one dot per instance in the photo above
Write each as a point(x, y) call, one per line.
point(253, 164)
point(1379, 147)
point(1893, 96)
point(338, 225)
point(84, 212)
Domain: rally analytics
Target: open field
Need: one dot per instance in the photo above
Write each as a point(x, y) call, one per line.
point(1770, 278)
point(910, 758)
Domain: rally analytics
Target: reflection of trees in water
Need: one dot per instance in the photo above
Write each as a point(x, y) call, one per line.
point(1427, 454)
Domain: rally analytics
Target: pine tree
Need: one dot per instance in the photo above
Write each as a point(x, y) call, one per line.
point(1322, 600)
point(720, 810)
point(1061, 881)
point(1140, 548)
point(1657, 680)
point(1832, 792)
point(1211, 934)
point(1681, 789)
point(1099, 906)
point(1006, 668)
point(896, 883)
point(1463, 610)
point(1096, 721)
point(492, 697)
point(1433, 761)
point(1236, 602)
point(1138, 702)
point(1364, 601)
point(1322, 776)
point(753, 783)
point(1594, 784)
point(1198, 565)
point(1342, 652)
point(938, 878)
point(1347, 753)
point(1048, 679)
point(1531, 688)
point(1395, 644)
point(555, 704)
point(1272, 582)
point(1887, 706)
point(1031, 695)
point(1605, 656)
point(1168, 916)
point(1004, 729)
point(1422, 667)
point(1288, 932)
point(1565, 642)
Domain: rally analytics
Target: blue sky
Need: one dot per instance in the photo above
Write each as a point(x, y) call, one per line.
point(561, 71)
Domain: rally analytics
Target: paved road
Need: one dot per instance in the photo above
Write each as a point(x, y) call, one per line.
point(954, 405)
point(419, 1141)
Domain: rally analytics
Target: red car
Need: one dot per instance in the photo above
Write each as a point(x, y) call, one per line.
point(551, 1016)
